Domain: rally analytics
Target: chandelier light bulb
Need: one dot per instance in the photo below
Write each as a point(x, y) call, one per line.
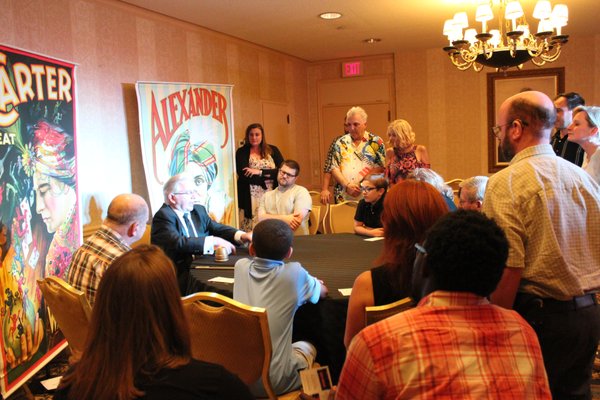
point(542, 10)
point(461, 20)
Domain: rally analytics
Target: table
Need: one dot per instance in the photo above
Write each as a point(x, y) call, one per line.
point(337, 259)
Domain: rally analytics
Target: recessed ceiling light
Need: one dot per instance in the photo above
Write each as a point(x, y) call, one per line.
point(372, 40)
point(330, 15)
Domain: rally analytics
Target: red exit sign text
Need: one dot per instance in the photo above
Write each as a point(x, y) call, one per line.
point(354, 68)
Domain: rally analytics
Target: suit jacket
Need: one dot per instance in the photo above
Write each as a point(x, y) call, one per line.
point(168, 233)
point(242, 160)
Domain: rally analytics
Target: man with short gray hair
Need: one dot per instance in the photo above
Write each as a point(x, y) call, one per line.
point(356, 154)
point(125, 223)
point(184, 230)
point(471, 191)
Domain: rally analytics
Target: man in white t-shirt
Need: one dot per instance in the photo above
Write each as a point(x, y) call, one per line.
point(288, 202)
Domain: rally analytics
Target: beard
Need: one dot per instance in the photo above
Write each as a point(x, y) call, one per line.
point(507, 149)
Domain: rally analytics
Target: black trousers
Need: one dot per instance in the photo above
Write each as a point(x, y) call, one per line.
point(568, 332)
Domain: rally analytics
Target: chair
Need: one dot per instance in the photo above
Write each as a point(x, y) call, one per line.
point(316, 197)
point(377, 313)
point(232, 334)
point(314, 219)
point(70, 308)
point(341, 217)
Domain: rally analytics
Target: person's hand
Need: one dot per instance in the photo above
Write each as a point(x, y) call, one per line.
point(246, 237)
point(218, 242)
point(248, 172)
point(295, 221)
point(325, 196)
point(377, 232)
point(353, 190)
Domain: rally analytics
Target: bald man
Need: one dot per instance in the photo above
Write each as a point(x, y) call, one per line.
point(125, 223)
point(550, 211)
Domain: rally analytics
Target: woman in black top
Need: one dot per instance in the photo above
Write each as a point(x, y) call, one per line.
point(138, 345)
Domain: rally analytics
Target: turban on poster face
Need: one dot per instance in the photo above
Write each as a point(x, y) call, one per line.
point(53, 149)
point(202, 154)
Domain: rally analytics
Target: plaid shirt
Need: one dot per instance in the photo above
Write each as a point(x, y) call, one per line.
point(92, 259)
point(452, 345)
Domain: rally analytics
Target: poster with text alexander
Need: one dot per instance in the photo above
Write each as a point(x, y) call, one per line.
point(188, 128)
point(39, 217)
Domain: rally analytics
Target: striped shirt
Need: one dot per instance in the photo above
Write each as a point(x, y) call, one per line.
point(92, 259)
point(452, 345)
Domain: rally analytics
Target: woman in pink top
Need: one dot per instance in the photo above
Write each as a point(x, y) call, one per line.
point(403, 155)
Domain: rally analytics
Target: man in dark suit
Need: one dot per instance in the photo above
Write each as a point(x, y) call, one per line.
point(184, 230)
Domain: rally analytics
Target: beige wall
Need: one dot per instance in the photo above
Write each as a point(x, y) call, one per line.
point(114, 45)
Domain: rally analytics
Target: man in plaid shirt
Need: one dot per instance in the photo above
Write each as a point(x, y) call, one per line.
point(125, 223)
point(454, 344)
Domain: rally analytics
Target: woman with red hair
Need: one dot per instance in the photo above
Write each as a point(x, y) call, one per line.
point(409, 210)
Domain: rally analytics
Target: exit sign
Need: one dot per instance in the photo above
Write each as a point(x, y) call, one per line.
point(353, 68)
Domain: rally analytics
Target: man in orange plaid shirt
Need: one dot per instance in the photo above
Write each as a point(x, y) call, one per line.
point(454, 344)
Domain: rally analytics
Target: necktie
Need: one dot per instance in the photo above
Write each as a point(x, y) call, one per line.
point(188, 225)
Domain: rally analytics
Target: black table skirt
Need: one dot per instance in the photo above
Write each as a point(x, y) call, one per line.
point(337, 260)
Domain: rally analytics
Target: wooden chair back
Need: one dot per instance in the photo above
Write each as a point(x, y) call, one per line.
point(341, 217)
point(377, 313)
point(70, 309)
point(232, 334)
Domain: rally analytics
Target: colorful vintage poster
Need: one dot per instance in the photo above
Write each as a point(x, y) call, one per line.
point(186, 127)
point(39, 218)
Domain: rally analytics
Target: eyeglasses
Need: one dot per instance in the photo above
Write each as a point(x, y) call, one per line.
point(282, 172)
point(498, 128)
point(420, 249)
point(189, 193)
point(367, 189)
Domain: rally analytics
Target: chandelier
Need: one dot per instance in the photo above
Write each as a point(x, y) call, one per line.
point(512, 44)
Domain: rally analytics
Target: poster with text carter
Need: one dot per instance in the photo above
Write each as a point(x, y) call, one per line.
point(188, 128)
point(39, 218)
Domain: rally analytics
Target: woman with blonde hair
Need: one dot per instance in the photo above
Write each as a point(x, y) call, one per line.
point(584, 131)
point(409, 210)
point(139, 343)
point(403, 155)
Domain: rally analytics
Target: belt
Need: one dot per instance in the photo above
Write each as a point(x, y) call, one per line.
point(576, 303)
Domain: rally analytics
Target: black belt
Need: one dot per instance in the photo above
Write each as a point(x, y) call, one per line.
point(575, 303)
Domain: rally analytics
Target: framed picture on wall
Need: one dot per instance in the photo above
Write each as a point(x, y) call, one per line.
point(501, 85)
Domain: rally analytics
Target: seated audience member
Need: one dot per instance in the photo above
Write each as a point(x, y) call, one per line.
point(471, 191)
point(584, 131)
point(435, 179)
point(288, 202)
point(410, 208)
point(454, 344)
point(367, 220)
point(184, 230)
point(125, 223)
point(139, 341)
point(403, 155)
point(266, 281)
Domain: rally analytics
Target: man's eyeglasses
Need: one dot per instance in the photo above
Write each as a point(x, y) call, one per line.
point(287, 174)
point(189, 193)
point(367, 189)
point(420, 249)
point(496, 130)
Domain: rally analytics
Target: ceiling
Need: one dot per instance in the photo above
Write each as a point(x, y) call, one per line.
point(293, 27)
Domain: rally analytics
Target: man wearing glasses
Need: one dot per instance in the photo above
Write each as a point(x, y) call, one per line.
point(550, 211)
point(288, 202)
point(184, 230)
